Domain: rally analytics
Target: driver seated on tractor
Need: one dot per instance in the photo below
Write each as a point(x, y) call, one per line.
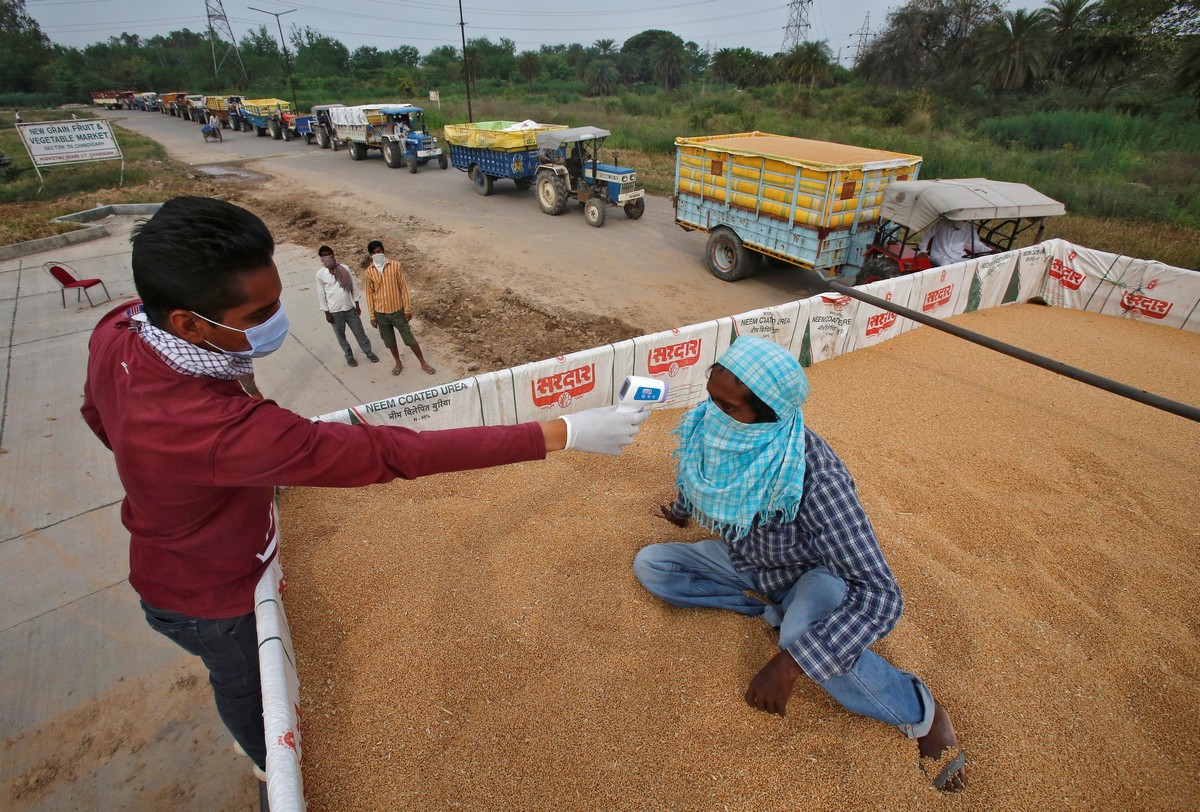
point(952, 241)
point(579, 156)
point(403, 125)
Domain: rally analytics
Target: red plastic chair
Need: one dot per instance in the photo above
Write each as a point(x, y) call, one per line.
point(65, 275)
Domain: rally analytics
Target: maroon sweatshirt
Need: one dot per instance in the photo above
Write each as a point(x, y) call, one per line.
point(199, 460)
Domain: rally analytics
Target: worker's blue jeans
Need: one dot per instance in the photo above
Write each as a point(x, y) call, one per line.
point(702, 574)
point(229, 650)
point(351, 318)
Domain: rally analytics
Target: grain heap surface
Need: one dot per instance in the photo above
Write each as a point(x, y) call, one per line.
point(478, 641)
point(804, 149)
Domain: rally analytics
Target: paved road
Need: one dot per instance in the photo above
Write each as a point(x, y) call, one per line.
point(649, 272)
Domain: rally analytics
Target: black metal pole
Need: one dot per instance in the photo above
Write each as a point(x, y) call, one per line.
point(1083, 376)
point(466, 65)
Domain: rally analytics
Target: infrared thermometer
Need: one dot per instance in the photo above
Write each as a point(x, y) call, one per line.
point(638, 394)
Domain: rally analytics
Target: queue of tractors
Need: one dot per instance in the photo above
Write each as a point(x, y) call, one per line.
point(838, 210)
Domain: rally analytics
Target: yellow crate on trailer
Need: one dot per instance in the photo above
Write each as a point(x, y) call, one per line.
point(266, 107)
point(496, 135)
point(809, 202)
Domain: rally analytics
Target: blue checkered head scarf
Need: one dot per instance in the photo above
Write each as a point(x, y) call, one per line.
point(732, 474)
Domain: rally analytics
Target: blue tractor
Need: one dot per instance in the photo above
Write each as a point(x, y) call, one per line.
point(569, 166)
point(408, 139)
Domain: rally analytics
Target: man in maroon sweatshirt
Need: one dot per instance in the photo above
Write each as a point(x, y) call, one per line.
point(200, 459)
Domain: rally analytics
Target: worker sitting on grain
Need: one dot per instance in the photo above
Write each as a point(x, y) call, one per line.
point(793, 532)
point(200, 459)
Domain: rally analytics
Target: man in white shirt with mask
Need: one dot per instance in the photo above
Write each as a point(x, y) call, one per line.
point(337, 296)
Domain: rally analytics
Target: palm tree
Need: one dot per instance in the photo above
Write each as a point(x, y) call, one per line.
point(1070, 20)
point(1103, 57)
point(605, 47)
point(601, 76)
point(1187, 76)
point(808, 61)
point(668, 63)
point(529, 65)
point(1014, 51)
point(725, 65)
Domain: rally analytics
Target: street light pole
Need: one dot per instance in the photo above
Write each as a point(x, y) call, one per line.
point(466, 65)
point(287, 60)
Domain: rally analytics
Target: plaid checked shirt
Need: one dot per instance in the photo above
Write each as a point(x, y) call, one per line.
point(832, 530)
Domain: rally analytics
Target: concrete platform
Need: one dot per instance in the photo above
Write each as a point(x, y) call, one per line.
point(96, 710)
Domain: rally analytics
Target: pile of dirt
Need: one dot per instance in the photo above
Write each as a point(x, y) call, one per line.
point(478, 640)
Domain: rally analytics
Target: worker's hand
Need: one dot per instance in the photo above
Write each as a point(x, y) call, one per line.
point(772, 686)
point(669, 515)
point(408, 315)
point(328, 317)
point(374, 323)
point(357, 309)
point(603, 430)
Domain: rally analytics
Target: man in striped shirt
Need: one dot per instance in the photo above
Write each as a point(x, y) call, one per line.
point(390, 305)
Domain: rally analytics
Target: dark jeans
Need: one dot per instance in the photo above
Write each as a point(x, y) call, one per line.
point(229, 650)
point(351, 318)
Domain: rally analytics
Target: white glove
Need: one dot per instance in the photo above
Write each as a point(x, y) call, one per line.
point(603, 430)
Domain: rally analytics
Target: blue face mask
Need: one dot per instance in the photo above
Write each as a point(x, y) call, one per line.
point(264, 338)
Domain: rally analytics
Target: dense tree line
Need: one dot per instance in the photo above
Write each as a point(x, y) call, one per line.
point(961, 48)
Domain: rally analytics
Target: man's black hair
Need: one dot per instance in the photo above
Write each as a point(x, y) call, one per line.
point(762, 412)
point(324, 249)
point(191, 254)
point(373, 244)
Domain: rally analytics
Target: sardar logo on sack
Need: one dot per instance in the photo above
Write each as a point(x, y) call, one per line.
point(563, 387)
point(1139, 304)
point(880, 322)
point(1067, 276)
point(674, 357)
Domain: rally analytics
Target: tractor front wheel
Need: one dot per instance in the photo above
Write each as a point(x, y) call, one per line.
point(595, 212)
point(443, 161)
point(552, 193)
point(635, 208)
point(875, 267)
point(287, 134)
point(412, 165)
point(483, 182)
point(728, 259)
point(357, 150)
point(308, 139)
point(392, 155)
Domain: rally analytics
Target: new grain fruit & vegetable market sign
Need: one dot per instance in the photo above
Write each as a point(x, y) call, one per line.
point(55, 143)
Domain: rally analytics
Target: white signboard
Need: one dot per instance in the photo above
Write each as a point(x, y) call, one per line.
point(435, 95)
point(52, 143)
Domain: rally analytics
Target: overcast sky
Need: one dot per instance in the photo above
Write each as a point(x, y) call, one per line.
point(426, 24)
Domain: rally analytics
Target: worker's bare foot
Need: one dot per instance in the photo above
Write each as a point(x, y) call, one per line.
point(941, 758)
point(427, 368)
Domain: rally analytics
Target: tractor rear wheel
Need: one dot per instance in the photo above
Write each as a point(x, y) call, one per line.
point(552, 193)
point(595, 211)
point(443, 161)
point(483, 182)
point(392, 155)
point(276, 133)
point(877, 266)
point(635, 208)
point(728, 259)
point(322, 139)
